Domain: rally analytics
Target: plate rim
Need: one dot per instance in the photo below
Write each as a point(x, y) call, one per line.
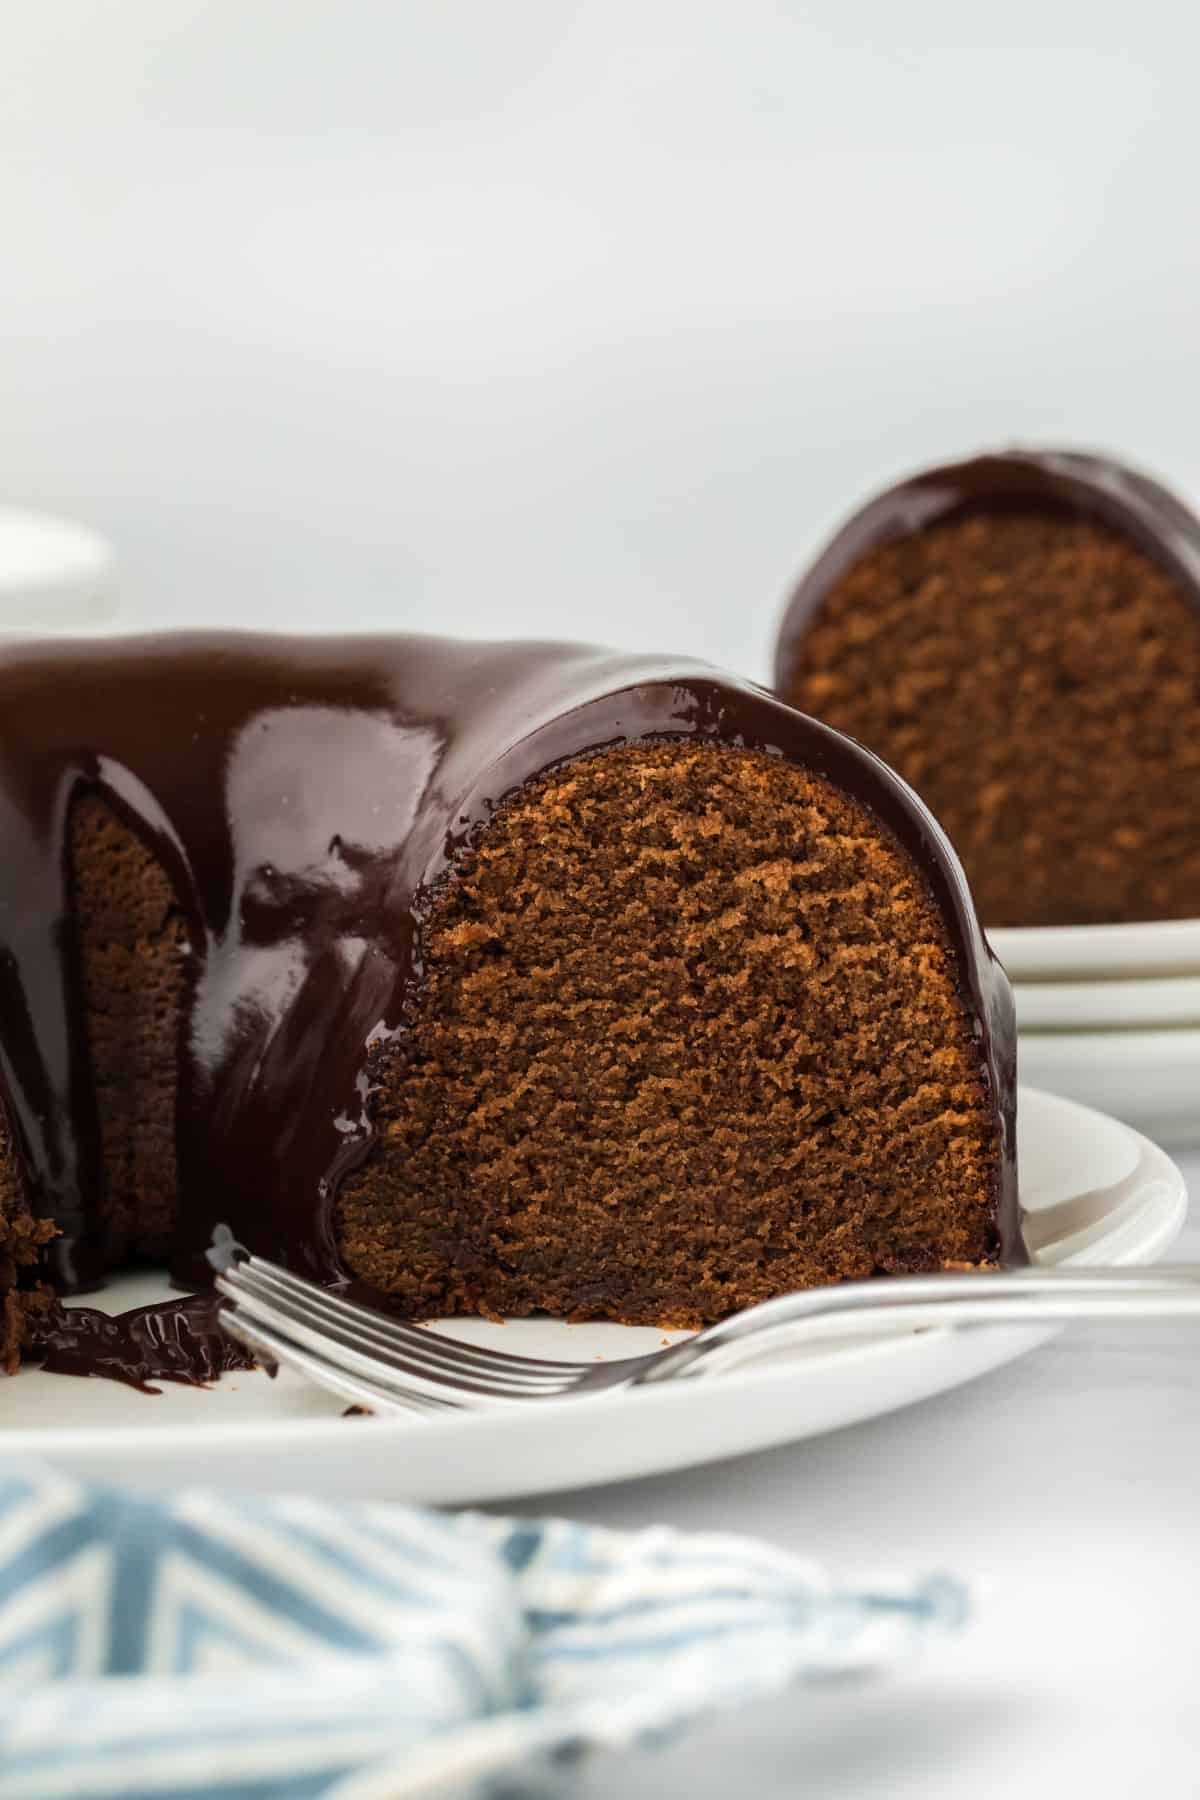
point(1162, 947)
point(1153, 1003)
point(1117, 932)
point(1152, 1041)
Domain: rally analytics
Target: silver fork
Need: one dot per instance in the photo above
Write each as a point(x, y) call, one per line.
point(388, 1365)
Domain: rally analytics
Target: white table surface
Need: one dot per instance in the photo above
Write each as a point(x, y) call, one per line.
point(1066, 1487)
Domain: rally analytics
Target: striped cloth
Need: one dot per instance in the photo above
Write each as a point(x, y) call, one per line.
point(230, 1648)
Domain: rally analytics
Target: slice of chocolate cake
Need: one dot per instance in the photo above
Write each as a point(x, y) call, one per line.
point(500, 977)
point(1019, 636)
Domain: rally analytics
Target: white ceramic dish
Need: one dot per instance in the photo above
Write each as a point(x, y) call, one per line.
point(1059, 952)
point(1093, 1191)
point(1098, 1005)
point(1151, 1079)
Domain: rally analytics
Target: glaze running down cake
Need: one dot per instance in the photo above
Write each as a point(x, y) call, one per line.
point(498, 977)
point(1019, 636)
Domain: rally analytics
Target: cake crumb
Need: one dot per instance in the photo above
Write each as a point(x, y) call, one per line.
point(667, 1073)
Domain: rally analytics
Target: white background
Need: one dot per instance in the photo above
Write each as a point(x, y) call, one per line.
point(507, 316)
point(576, 319)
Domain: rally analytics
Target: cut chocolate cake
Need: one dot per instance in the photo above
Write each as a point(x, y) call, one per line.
point(1019, 637)
point(497, 977)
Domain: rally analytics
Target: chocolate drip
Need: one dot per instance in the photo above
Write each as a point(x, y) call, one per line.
point(306, 795)
point(1063, 482)
point(171, 1340)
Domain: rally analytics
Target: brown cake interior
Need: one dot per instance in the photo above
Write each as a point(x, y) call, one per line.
point(674, 1053)
point(1037, 680)
point(134, 956)
point(134, 949)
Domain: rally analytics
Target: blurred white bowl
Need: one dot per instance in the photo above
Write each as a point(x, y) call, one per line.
point(55, 575)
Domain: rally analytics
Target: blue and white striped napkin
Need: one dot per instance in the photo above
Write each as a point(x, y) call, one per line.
point(230, 1648)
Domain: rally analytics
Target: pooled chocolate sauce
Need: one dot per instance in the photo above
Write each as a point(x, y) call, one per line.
point(1067, 483)
point(171, 1340)
point(305, 796)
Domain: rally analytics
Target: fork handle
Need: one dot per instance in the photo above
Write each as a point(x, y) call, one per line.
point(979, 1298)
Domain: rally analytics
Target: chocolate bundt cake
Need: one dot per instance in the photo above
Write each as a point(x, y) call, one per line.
point(498, 977)
point(1019, 636)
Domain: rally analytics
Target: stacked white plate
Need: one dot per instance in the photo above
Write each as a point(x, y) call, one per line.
point(1110, 1014)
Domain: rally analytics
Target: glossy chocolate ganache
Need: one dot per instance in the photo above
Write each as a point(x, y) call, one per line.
point(172, 1340)
point(307, 799)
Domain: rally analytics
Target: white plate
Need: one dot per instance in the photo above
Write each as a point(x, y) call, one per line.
point(1047, 952)
point(1151, 1079)
point(1070, 1005)
point(1094, 1191)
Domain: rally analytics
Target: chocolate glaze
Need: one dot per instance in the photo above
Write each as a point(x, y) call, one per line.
point(306, 796)
point(1068, 483)
point(175, 1340)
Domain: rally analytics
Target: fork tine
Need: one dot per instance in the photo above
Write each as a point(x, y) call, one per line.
point(265, 1343)
point(349, 1345)
point(411, 1350)
point(398, 1332)
point(394, 1331)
